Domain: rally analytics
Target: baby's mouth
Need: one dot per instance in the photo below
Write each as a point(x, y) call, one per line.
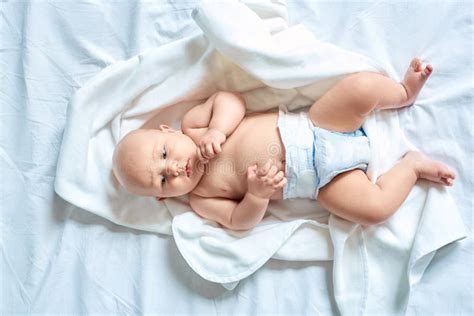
point(188, 168)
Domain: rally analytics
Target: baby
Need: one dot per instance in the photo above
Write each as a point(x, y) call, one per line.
point(233, 165)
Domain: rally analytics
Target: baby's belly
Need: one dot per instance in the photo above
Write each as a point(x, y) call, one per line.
point(229, 181)
point(254, 142)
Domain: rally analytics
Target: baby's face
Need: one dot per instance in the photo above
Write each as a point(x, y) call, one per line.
point(162, 163)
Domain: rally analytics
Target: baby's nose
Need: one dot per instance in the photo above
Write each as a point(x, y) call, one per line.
point(174, 170)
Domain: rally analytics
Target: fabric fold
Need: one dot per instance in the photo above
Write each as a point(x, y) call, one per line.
point(226, 256)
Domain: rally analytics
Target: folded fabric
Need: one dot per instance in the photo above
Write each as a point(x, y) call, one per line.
point(271, 65)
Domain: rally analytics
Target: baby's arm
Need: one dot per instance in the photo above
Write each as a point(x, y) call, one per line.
point(222, 210)
point(261, 184)
point(217, 118)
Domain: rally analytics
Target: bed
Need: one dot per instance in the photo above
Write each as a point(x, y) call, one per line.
point(58, 258)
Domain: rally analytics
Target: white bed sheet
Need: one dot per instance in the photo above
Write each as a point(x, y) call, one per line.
point(58, 258)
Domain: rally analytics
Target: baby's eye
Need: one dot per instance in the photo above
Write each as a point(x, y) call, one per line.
point(163, 180)
point(164, 153)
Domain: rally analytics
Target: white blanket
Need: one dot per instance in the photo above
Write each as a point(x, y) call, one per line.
point(270, 64)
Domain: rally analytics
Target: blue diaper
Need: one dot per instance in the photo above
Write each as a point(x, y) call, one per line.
point(314, 156)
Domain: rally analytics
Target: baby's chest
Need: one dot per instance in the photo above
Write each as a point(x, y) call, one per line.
point(223, 178)
point(254, 141)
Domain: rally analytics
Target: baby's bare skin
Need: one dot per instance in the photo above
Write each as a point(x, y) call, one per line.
point(233, 165)
point(254, 141)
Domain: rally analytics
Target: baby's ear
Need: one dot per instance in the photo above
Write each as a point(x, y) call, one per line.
point(165, 128)
point(159, 199)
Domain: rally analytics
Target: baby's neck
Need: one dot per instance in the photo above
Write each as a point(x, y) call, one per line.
point(201, 169)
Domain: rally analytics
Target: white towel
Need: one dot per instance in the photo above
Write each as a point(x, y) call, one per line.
point(270, 64)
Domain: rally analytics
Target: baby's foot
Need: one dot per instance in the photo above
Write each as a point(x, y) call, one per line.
point(415, 78)
point(429, 169)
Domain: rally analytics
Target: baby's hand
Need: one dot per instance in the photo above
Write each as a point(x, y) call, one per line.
point(264, 181)
point(210, 145)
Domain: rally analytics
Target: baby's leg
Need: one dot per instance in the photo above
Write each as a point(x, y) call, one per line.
point(352, 196)
point(344, 107)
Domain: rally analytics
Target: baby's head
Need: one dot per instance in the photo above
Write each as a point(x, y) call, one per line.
point(157, 162)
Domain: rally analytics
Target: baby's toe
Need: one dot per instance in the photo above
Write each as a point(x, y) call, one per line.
point(446, 181)
point(428, 70)
point(416, 64)
point(447, 176)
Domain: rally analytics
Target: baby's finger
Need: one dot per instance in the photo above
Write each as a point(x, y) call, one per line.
point(201, 150)
point(200, 157)
point(209, 151)
point(278, 177)
point(272, 172)
point(264, 170)
point(252, 171)
point(217, 148)
point(281, 184)
point(204, 152)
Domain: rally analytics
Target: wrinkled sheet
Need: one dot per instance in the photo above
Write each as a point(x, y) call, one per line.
point(49, 246)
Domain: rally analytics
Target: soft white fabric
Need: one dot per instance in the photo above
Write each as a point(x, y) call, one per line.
point(56, 258)
point(279, 57)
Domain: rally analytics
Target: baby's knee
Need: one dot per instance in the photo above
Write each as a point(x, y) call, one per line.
point(360, 82)
point(361, 85)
